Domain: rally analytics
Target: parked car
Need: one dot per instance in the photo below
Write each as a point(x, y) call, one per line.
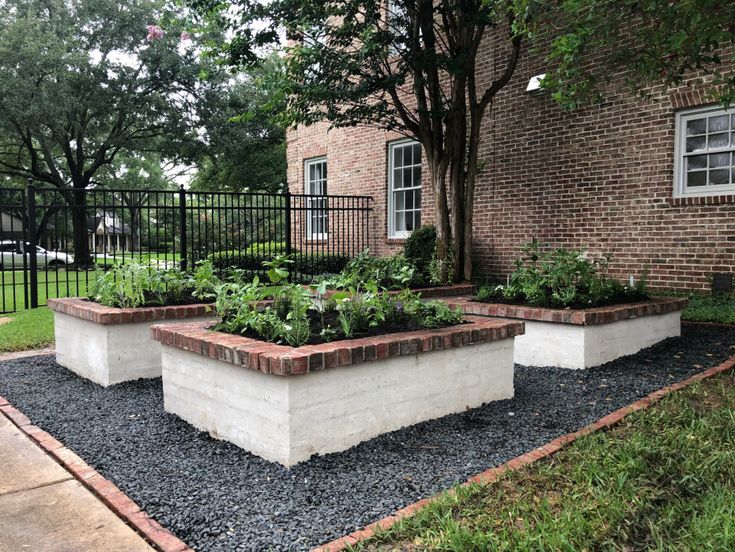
point(12, 253)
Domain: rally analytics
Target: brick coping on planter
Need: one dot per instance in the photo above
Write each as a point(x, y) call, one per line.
point(100, 314)
point(282, 360)
point(120, 504)
point(493, 474)
point(578, 317)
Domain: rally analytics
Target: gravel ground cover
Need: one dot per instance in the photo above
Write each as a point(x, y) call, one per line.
point(217, 497)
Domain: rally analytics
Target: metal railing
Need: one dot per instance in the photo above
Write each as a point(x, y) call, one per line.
point(52, 240)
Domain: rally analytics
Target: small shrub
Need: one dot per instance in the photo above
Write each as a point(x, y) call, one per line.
point(419, 250)
point(387, 272)
point(562, 278)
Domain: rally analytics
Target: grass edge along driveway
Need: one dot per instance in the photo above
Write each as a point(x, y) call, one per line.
point(664, 479)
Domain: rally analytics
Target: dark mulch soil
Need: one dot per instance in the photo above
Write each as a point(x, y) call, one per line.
point(217, 497)
point(621, 299)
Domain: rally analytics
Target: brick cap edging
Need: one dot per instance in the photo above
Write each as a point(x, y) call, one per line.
point(106, 491)
point(84, 309)
point(552, 447)
point(577, 317)
point(282, 360)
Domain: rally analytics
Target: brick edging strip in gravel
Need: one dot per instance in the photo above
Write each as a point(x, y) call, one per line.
point(124, 507)
point(493, 474)
point(27, 353)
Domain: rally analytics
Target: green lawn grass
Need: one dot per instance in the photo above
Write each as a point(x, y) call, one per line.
point(28, 329)
point(662, 480)
point(718, 308)
point(51, 284)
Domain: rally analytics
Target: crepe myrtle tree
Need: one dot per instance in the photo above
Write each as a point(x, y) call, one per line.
point(83, 81)
point(411, 66)
point(404, 65)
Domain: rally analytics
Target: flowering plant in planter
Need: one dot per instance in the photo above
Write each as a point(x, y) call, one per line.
point(298, 316)
point(135, 285)
point(562, 278)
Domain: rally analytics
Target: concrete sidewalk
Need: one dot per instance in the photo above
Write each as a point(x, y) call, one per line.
point(44, 509)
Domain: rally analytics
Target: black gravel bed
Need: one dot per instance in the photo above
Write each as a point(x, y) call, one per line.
point(217, 497)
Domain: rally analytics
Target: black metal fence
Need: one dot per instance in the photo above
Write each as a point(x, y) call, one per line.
point(53, 240)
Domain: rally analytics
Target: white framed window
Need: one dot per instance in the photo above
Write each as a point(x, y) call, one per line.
point(404, 188)
point(704, 162)
point(315, 187)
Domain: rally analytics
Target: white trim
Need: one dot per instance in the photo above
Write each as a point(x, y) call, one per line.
point(392, 233)
point(682, 117)
point(310, 235)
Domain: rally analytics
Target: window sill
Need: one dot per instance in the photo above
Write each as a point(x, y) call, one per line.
point(702, 200)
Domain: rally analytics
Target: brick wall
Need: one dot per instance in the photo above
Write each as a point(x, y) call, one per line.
point(599, 178)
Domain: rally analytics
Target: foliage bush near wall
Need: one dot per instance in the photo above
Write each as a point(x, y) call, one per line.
point(420, 248)
point(562, 278)
point(254, 258)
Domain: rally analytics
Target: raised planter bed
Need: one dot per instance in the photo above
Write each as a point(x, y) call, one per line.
point(109, 345)
point(286, 404)
point(582, 338)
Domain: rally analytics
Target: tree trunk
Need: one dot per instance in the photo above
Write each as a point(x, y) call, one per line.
point(82, 258)
point(438, 172)
point(469, 198)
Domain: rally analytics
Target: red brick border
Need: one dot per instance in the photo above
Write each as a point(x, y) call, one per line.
point(579, 317)
point(282, 360)
point(493, 474)
point(160, 538)
point(101, 314)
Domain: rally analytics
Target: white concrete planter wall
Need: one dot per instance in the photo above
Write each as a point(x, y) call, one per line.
point(580, 339)
point(286, 404)
point(108, 345)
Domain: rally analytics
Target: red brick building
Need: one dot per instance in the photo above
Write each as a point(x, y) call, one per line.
point(650, 181)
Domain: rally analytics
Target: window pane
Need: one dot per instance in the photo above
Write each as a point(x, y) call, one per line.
point(417, 199)
point(719, 140)
point(400, 201)
point(397, 157)
point(720, 176)
point(409, 200)
point(398, 179)
point(409, 222)
point(696, 144)
point(719, 123)
point(416, 154)
point(400, 222)
point(697, 179)
point(417, 218)
point(696, 162)
point(696, 126)
point(416, 177)
point(719, 160)
point(407, 177)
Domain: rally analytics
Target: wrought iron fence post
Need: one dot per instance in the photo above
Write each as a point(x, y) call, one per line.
point(287, 229)
point(30, 247)
point(182, 226)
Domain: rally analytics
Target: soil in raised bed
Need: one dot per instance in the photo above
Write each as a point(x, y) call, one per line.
point(330, 319)
point(621, 299)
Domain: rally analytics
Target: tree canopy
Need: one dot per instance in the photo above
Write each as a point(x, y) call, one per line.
point(413, 66)
point(82, 81)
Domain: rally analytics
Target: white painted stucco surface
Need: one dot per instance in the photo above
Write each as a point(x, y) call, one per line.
point(108, 354)
point(288, 419)
point(578, 347)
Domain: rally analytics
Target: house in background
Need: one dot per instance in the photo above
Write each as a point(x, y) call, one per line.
point(109, 235)
point(650, 181)
point(11, 227)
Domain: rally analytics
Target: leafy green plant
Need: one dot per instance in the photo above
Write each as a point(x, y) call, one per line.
point(419, 249)
point(394, 272)
point(562, 278)
point(135, 285)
